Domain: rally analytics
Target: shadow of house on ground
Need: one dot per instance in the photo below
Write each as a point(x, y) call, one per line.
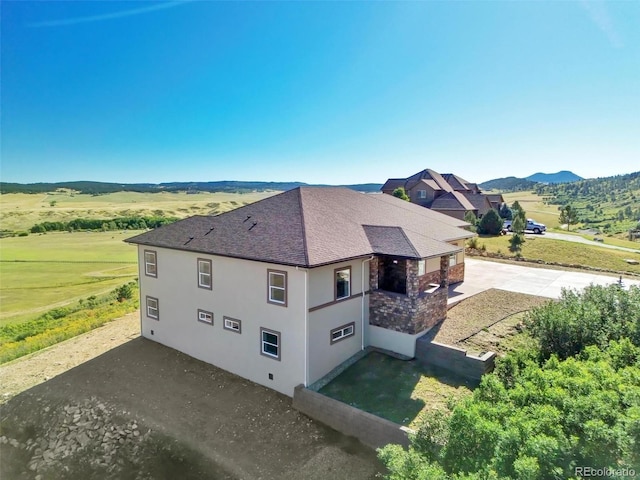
point(143, 410)
point(397, 390)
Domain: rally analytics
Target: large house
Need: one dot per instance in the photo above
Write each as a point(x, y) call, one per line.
point(446, 193)
point(283, 290)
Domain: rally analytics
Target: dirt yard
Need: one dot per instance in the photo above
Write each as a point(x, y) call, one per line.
point(112, 405)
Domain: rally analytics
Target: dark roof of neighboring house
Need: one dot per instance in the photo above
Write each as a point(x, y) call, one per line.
point(313, 226)
point(438, 183)
point(455, 181)
point(478, 201)
point(452, 201)
point(495, 197)
point(393, 183)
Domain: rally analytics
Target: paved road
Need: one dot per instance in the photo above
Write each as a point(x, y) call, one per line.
point(482, 275)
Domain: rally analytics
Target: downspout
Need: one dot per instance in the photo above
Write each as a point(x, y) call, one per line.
point(306, 328)
point(362, 302)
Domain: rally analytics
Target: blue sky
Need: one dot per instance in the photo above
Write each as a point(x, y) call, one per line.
point(317, 91)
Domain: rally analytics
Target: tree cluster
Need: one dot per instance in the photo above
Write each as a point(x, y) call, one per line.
point(123, 223)
point(571, 401)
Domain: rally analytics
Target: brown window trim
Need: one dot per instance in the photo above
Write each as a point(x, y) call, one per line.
point(273, 332)
point(286, 287)
point(334, 302)
point(224, 326)
point(202, 321)
point(353, 332)
point(155, 262)
point(146, 305)
point(335, 283)
point(207, 260)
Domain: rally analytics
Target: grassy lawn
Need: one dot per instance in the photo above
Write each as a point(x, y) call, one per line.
point(564, 252)
point(398, 390)
point(40, 272)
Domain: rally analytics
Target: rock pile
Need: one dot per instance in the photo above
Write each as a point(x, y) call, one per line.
point(87, 428)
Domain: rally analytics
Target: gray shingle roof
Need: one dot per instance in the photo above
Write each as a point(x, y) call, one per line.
point(452, 201)
point(312, 226)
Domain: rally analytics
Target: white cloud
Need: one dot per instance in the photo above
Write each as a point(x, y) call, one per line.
point(108, 16)
point(599, 14)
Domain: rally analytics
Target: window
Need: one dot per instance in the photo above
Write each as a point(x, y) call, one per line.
point(205, 317)
point(342, 332)
point(204, 273)
point(277, 287)
point(232, 324)
point(343, 283)
point(270, 343)
point(150, 263)
point(153, 308)
point(421, 267)
point(452, 260)
point(422, 194)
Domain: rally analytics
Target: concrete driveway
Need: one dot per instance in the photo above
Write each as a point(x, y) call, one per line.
point(482, 275)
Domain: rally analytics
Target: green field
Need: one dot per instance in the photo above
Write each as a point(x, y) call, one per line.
point(564, 252)
point(40, 272)
point(20, 211)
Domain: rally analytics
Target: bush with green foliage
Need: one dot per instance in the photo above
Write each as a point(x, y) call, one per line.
point(401, 193)
point(471, 219)
point(490, 223)
point(541, 414)
point(505, 212)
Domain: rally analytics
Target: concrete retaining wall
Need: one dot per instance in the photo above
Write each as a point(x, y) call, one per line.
point(373, 431)
point(454, 359)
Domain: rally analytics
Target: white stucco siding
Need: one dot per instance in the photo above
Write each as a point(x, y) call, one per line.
point(331, 314)
point(239, 291)
point(398, 342)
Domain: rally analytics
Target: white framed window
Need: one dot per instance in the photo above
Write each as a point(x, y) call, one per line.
point(452, 260)
point(150, 263)
point(205, 317)
point(204, 273)
point(277, 289)
point(153, 308)
point(422, 267)
point(422, 194)
point(232, 324)
point(340, 333)
point(270, 343)
point(342, 283)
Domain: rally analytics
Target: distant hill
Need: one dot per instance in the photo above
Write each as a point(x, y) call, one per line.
point(514, 184)
point(508, 184)
point(564, 176)
point(99, 188)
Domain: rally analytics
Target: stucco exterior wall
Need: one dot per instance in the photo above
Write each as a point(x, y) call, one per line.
point(239, 291)
point(398, 342)
point(327, 314)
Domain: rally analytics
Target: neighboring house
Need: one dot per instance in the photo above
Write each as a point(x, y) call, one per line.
point(283, 290)
point(446, 193)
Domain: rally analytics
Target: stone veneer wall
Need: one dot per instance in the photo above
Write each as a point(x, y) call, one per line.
point(428, 278)
point(414, 312)
point(456, 273)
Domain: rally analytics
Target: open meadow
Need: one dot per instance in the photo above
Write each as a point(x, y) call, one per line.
point(43, 271)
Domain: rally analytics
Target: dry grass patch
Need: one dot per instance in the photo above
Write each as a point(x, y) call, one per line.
point(483, 320)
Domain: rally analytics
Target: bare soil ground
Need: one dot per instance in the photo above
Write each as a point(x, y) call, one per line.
point(484, 321)
point(112, 405)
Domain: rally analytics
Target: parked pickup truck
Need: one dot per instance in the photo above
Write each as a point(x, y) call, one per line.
point(531, 226)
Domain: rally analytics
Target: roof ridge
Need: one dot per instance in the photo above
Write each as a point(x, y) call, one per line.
point(415, 251)
point(304, 230)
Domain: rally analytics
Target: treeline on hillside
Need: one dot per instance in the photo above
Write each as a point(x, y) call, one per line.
point(508, 184)
point(611, 203)
point(123, 223)
point(102, 188)
point(566, 407)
